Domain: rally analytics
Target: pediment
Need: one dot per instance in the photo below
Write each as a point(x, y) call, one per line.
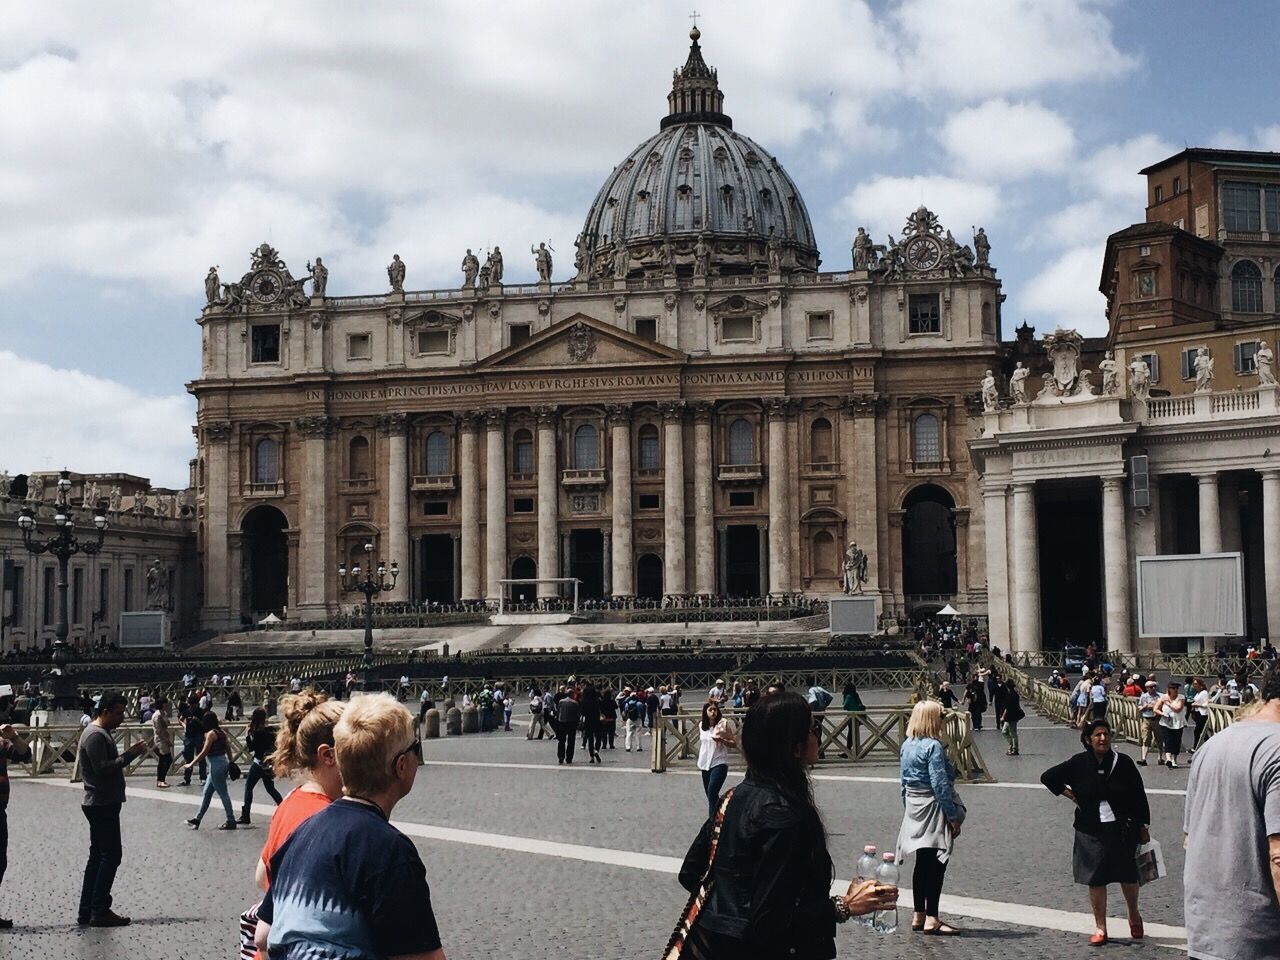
point(737, 303)
point(581, 340)
point(433, 318)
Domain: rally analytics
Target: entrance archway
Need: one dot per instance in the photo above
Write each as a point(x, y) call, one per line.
point(523, 568)
point(928, 542)
point(586, 562)
point(649, 577)
point(435, 560)
point(264, 562)
point(742, 566)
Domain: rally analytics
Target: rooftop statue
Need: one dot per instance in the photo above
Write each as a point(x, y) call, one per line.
point(395, 273)
point(1018, 383)
point(470, 268)
point(211, 286)
point(1263, 360)
point(1110, 375)
point(981, 248)
point(542, 262)
point(1203, 366)
point(319, 277)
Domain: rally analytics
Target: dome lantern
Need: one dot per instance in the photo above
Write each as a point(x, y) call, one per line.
point(695, 95)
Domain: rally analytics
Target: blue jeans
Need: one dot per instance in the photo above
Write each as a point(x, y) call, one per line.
point(712, 781)
point(217, 782)
point(259, 771)
point(105, 853)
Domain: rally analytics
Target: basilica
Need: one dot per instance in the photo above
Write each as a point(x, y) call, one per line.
point(699, 411)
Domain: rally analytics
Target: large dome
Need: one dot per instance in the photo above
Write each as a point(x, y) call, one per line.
point(696, 190)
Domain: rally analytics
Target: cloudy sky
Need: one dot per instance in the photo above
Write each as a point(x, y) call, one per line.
point(142, 142)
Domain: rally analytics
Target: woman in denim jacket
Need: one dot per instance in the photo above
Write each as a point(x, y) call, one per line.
point(932, 813)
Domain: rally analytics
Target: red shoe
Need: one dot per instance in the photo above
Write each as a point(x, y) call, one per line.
point(1098, 940)
point(1136, 931)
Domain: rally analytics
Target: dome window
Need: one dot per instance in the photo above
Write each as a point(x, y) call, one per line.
point(643, 196)
point(766, 198)
point(684, 192)
point(655, 158)
point(752, 159)
point(726, 198)
point(612, 201)
point(686, 154)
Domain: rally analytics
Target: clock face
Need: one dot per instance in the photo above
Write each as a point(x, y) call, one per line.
point(266, 286)
point(923, 253)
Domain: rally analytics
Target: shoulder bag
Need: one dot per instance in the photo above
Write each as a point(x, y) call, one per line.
point(680, 939)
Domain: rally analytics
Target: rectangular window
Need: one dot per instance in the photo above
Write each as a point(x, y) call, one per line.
point(737, 329)
point(126, 596)
point(1271, 196)
point(819, 326)
point(104, 592)
point(433, 341)
point(647, 328)
point(435, 508)
point(19, 595)
point(742, 498)
point(1242, 357)
point(264, 341)
point(1177, 186)
point(1159, 193)
point(519, 333)
point(1186, 364)
point(522, 505)
point(77, 595)
point(47, 603)
point(922, 313)
point(1242, 207)
point(359, 346)
point(649, 501)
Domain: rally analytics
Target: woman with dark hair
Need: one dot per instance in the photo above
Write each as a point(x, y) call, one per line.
point(1111, 820)
point(759, 870)
point(590, 704)
point(215, 749)
point(715, 737)
point(260, 740)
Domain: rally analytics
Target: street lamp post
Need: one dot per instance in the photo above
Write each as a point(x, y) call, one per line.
point(371, 582)
point(63, 545)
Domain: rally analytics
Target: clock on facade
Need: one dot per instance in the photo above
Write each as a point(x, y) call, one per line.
point(923, 253)
point(266, 286)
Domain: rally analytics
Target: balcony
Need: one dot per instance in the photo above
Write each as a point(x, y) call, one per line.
point(275, 489)
point(741, 472)
point(435, 483)
point(584, 479)
point(649, 473)
point(355, 484)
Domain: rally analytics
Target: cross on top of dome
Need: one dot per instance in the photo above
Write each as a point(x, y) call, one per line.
point(695, 95)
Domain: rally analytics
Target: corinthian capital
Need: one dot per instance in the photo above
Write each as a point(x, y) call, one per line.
point(619, 413)
point(317, 425)
point(495, 419)
point(545, 415)
point(672, 410)
point(215, 431)
point(391, 424)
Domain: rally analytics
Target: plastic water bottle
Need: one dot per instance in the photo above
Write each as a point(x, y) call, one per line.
point(868, 863)
point(886, 921)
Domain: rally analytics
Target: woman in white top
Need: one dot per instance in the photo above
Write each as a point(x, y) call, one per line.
point(1199, 711)
point(715, 738)
point(1172, 710)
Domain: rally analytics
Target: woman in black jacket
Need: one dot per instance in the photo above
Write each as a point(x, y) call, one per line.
point(770, 873)
point(260, 740)
point(1111, 820)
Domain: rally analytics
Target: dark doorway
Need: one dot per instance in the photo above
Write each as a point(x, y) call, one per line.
point(928, 542)
point(264, 562)
point(523, 568)
point(436, 568)
point(649, 577)
point(742, 568)
point(1069, 522)
point(586, 562)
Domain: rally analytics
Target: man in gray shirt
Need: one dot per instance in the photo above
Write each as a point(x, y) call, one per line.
point(102, 770)
point(568, 713)
point(1232, 823)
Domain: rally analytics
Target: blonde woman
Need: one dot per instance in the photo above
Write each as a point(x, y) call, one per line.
point(932, 813)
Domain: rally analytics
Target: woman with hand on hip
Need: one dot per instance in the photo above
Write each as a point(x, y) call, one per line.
point(1111, 820)
point(715, 738)
point(932, 813)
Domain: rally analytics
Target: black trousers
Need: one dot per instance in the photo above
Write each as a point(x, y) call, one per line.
point(190, 747)
point(1200, 720)
point(566, 741)
point(105, 853)
point(4, 841)
point(163, 762)
point(976, 713)
point(258, 771)
point(926, 882)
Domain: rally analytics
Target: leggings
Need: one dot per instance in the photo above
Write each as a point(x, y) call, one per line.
point(926, 881)
point(1173, 741)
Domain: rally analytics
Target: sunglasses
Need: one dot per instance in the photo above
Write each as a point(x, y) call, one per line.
point(411, 748)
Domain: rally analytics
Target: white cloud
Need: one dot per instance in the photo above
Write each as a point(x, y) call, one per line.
point(1089, 221)
point(1267, 138)
point(1112, 171)
point(1006, 141)
point(883, 203)
point(1065, 293)
point(90, 424)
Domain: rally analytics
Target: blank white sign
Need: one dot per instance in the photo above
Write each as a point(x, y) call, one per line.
point(1192, 595)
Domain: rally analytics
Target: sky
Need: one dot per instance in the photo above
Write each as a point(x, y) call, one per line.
point(141, 143)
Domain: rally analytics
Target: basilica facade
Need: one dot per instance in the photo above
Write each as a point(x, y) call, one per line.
point(699, 410)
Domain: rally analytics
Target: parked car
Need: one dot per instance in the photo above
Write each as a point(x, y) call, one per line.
point(1073, 659)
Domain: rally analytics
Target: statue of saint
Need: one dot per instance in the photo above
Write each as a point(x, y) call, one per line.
point(542, 262)
point(621, 263)
point(470, 267)
point(981, 248)
point(892, 262)
point(35, 488)
point(990, 397)
point(158, 596)
point(701, 256)
point(139, 504)
point(1018, 383)
point(395, 273)
point(1083, 387)
point(861, 250)
point(495, 266)
point(211, 286)
point(1263, 360)
point(1204, 370)
point(1110, 375)
point(5, 484)
point(90, 496)
point(1139, 379)
point(854, 568)
point(774, 251)
point(113, 500)
point(319, 277)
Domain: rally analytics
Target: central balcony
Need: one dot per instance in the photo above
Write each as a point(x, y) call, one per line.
point(592, 479)
point(741, 472)
point(435, 483)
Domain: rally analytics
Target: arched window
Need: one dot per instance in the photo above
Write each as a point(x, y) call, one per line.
point(742, 443)
point(266, 461)
point(437, 454)
point(820, 450)
point(586, 448)
point(648, 447)
point(1246, 287)
point(358, 458)
point(925, 442)
point(522, 452)
point(824, 554)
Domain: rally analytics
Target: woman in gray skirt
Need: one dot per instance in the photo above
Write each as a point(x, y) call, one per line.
point(1111, 820)
point(932, 813)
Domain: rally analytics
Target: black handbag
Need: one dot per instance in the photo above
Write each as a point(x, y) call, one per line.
point(233, 771)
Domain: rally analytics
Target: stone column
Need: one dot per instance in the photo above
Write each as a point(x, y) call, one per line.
point(860, 463)
point(993, 518)
point(1115, 564)
point(780, 579)
point(314, 560)
point(217, 613)
point(472, 588)
point(1271, 548)
point(1026, 561)
point(606, 539)
point(622, 560)
point(548, 502)
point(396, 545)
point(1210, 513)
point(673, 498)
point(704, 512)
point(495, 518)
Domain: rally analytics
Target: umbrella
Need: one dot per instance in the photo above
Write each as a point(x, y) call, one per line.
point(948, 611)
point(270, 618)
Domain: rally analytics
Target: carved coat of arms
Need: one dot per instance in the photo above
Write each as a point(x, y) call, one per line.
point(581, 343)
point(1063, 348)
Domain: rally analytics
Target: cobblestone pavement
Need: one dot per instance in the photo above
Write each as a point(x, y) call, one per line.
point(494, 817)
